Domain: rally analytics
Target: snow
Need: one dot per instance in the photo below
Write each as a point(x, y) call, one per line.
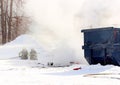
point(14, 71)
point(61, 55)
point(11, 49)
point(21, 72)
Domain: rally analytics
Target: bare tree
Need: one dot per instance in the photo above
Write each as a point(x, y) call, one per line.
point(10, 20)
point(13, 20)
point(3, 20)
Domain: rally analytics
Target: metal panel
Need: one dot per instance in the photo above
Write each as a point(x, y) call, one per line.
point(102, 45)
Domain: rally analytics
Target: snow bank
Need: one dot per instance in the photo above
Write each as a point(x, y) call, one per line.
point(11, 49)
point(61, 55)
point(88, 75)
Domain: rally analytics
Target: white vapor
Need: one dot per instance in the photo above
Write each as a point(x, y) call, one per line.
point(58, 23)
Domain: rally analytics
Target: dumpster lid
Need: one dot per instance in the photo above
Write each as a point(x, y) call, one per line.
point(98, 29)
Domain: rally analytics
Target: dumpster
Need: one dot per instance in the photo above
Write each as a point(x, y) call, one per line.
point(102, 45)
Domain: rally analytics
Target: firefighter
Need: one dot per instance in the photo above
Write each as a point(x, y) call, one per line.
point(33, 55)
point(23, 54)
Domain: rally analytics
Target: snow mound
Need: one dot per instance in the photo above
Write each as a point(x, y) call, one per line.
point(11, 49)
point(61, 55)
point(23, 40)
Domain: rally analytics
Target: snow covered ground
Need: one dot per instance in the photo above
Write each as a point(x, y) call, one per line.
point(14, 71)
point(25, 72)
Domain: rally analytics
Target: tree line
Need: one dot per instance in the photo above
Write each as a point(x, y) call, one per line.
point(13, 21)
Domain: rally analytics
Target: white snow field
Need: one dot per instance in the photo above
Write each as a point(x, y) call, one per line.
point(20, 72)
point(14, 71)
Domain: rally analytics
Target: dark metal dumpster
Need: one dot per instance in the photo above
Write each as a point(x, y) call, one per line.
point(102, 45)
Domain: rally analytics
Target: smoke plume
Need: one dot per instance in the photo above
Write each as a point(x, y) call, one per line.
point(57, 24)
